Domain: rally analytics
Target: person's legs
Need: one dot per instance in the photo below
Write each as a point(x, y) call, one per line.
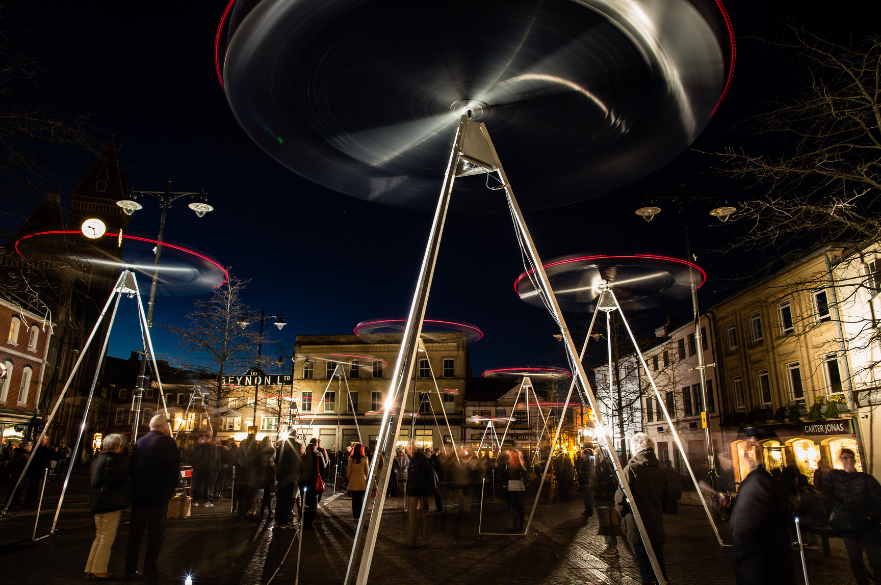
point(284, 502)
point(605, 516)
point(872, 545)
point(137, 524)
point(267, 499)
point(414, 524)
point(588, 501)
point(645, 565)
point(854, 546)
point(309, 504)
point(357, 504)
point(106, 534)
point(33, 493)
point(438, 501)
point(155, 535)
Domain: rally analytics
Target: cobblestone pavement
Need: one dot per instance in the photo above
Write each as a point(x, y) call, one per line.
point(562, 547)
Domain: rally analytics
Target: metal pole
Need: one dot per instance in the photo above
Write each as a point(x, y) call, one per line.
point(300, 534)
point(165, 201)
point(232, 491)
point(150, 347)
point(801, 549)
point(404, 366)
point(88, 405)
point(73, 372)
point(259, 354)
point(40, 505)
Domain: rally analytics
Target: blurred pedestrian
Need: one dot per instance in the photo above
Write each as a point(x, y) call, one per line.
point(420, 485)
point(266, 474)
point(154, 467)
point(605, 485)
point(288, 467)
point(516, 480)
point(201, 459)
point(584, 470)
point(439, 473)
point(759, 537)
point(675, 487)
point(110, 495)
point(312, 483)
point(853, 499)
point(246, 476)
point(648, 486)
point(358, 470)
point(402, 462)
point(36, 472)
point(17, 464)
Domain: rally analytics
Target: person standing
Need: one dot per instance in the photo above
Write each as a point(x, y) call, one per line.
point(110, 496)
point(288, 468)
point(246, 477)
point(604, 487)
point(266, 473)
point(584, 468)
point(200, 459)
point(675, 487)
point(439, 473)
point(313, 463)
point(63, 459)
point(357, 471)
point(36, 472)
point(853, 500)
point(648, 485)
point(17, 464)
point(420, 485)
point(516, 480)
point(154, 467)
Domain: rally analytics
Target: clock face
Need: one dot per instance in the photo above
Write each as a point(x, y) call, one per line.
point(94, 228)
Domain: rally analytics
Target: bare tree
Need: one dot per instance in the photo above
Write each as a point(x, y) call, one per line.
point(824, 183)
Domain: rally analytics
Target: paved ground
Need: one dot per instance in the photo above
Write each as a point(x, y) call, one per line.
point(216, 548)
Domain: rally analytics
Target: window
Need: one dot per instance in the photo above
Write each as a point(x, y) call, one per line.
point(704, 342)
point(424, 403)
point(833, 374)
point(698, 399)
point(149, 393)
point(681, 344)
point(795, 385)
point(353, 404)
point(330, 402)
point(821, 305)
point(272, 402)
point(449, 368)
point(655, 362)
point(32, 339)
point(765, 386)
point(232, 423)
point(785, 317)
point(711, 399)
point(449, 397)
point(666, 358)
point(306, 402)
point(692, 345)
point(354, 370)
point(732, 337)
point(375, 401)
point(123, 393)
point(671, 405)
point(519, 415)
point(232, 403)
point(686, 401)
point(377, 369)
point(737, 388)
point(423, 437)
point(13, 331)
point(249, 401)
point(148, 414)
point(756, 324)
point(329, 369)
point(424, 369)
point(308, 370)
point(874, 280)
point(120, 416)
point(649, 413)
point(4, 383)
point(269, 423)
point(25, 385)
point(181, 398)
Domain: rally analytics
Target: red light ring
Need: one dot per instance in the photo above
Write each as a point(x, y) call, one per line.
point(549, 370)
point(733, 55)
point(360, 325)
point(363, 357)
point(599, 256)
point(217, 43)
point(136, 238)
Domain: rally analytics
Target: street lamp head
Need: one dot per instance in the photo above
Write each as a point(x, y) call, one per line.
point(200, 206)
point(722, 210)
point(280, 323)
point(648, 210)
point(129, 205)
point(244, 322)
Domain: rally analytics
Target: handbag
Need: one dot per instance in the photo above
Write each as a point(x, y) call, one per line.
point(319, 483)
point(516, 485)
point(845, 518)
point(105, 500)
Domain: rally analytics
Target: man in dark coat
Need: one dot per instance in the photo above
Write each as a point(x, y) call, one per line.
point(760, 553)
point(420, 485)
point(36, 472)
point(288, 464)
point(675, 487)
point(584, 468)
point(154, 467)
point(648, 484)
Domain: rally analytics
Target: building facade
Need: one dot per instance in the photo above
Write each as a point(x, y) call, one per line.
point(620, 399)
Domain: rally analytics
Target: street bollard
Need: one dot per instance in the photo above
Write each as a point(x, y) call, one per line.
point(40, 505)
point(801, 549)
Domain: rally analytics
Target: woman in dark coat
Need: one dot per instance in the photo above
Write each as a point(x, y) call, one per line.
point(266, 474)
point(605, 484)
point(516, 480)
point(862, 493)
point(108, 477)
point(246, 477)
point(313, 464)
point(648, 484)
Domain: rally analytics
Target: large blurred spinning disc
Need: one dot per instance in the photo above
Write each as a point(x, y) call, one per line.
point(581, 96)
point(638, 281)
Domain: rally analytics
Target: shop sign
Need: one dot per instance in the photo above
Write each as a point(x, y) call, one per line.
point(828, 427)
point(258, 380)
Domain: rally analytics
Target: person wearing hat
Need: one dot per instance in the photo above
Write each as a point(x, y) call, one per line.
point(154, 467)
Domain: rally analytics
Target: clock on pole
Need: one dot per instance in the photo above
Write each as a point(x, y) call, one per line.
point(93, 228)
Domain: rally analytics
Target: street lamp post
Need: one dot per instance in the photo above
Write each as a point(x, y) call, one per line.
point(723, 211)
point(279, 322)
point(131, 205)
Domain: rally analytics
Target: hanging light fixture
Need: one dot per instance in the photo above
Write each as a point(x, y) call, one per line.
point(648, 210)
point(129, 204)
point(722, 210)
point(280, 323)
point(200, 206)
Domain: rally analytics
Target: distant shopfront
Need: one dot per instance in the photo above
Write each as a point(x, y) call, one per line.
point(808, 446)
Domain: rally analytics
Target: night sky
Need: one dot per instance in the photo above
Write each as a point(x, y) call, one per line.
point(327, 261)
